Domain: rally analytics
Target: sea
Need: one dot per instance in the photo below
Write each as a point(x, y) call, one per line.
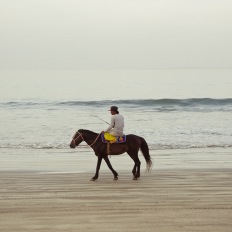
point(170, 108)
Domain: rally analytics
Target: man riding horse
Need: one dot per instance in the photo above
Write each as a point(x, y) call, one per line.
point(116, 125)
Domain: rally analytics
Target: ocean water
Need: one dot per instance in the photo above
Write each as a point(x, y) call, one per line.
point(171, 109)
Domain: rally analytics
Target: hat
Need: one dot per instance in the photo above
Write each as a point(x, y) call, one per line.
point(113, 108)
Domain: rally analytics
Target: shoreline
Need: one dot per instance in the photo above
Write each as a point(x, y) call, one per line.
point(84, 160)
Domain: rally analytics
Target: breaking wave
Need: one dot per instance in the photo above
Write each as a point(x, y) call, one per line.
point(190, 104)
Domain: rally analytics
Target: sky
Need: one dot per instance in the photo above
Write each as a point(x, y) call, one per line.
point(115, 34)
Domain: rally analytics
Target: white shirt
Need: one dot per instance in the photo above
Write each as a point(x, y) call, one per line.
point(116, 125)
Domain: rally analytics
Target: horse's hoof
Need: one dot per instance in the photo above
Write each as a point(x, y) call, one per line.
point(115, 178)
point(135, 178)
point(93, 179)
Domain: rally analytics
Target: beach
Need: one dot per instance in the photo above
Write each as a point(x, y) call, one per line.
point(187, 190)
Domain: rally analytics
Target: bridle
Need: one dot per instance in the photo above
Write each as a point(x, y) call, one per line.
point(80, 135)
point(74, 140)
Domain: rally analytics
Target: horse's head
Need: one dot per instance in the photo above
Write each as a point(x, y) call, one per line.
point(77, 139)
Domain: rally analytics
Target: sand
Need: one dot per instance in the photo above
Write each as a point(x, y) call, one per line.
point(171, 198)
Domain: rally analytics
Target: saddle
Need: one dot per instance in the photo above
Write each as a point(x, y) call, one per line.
point(118, 139)
point(113, 139)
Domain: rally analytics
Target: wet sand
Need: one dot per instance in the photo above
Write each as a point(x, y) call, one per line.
point(164, 200)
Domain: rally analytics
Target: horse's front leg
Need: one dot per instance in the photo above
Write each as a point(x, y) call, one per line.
point(111, 168)
point(97, 168)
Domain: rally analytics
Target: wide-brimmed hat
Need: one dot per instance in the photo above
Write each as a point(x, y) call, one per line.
point(113, 108)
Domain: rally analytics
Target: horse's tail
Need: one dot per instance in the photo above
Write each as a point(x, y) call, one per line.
point(145, 150)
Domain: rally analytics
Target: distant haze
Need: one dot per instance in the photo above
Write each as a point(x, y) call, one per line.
point(75, 34)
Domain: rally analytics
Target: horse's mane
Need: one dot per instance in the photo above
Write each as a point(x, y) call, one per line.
point(88, 131)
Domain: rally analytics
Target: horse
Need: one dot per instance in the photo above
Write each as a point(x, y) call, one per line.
point(132, 145)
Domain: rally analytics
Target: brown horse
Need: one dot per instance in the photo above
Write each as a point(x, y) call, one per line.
point(131, 146)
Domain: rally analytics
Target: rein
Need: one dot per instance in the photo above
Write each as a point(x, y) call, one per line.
point(80, 135)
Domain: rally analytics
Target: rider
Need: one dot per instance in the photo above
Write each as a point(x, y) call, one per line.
point(116, 124)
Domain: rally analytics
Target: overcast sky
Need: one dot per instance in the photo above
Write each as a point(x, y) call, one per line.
point(51, 34)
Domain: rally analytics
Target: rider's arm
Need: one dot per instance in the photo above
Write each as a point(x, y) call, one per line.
point(112, 122)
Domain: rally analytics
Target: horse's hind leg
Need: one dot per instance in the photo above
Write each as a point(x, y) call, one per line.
point(136, 169)
point(137, 163)
point(111, 168)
